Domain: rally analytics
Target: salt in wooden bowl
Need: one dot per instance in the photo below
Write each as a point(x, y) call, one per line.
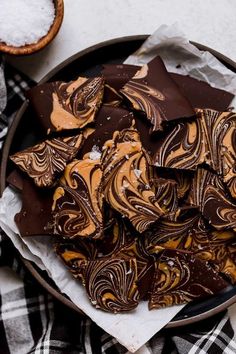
point(35, 47)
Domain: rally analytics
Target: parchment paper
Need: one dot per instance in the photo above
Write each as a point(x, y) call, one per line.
point(133, 329)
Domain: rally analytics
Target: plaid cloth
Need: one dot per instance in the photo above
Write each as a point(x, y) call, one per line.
point(31, 321)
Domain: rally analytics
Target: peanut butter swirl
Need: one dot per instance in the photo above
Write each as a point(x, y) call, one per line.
point(77, 206)
point(111, 284)
point(210, 139)
point(180, 278)
point(209, 194)
point(126, 180)
point(44, 161)
point(76, 103)
point(187, 233)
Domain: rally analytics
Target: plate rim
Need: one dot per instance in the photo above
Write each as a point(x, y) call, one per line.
point(4, 160)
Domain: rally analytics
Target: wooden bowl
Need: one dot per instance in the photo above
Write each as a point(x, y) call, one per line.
point(35, 47)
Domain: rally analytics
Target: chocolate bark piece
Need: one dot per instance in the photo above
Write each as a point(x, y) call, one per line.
point(111, 97)
point(15, 180)
point(210, 139)
point(153, 92)
point(108, 120)
point(126, 181)
point(180, 277)
point(78, 201)
point(222, 243)
point(202, 95)
point(187, 233)
point(166, 194)
point(35, 217)
point(111, 284)
point(62, 106)
point(45, 161)
point(209, 194)
point(117, 75)
point(76, 254)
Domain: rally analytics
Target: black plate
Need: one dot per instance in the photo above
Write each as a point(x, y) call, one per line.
point(24, 133)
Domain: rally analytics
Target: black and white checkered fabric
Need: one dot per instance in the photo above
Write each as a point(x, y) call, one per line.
point(31, 321)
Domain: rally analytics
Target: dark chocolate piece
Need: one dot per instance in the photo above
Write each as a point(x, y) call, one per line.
point(202, 95)
point(45, 161)
point(15, 180)
point(62, 106)
point(180, 277)
point(126, 181)
point(187, 233)
point(108, 120)
point(111, 284)
point(35, 217)
point(78, 201)
point(153, 92)
point(209, 194)
point(117, 75)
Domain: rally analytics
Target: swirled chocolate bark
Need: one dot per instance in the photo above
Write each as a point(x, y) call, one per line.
point(47, 160)
point(181, 277)
point(126, 183)
point(209, 194)
point(111, 284)
point(64, 106)
point(78, 201)
point(209, 139)
point(153, 92)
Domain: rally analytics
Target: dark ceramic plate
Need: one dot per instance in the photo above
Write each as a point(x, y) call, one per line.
point(24, 132)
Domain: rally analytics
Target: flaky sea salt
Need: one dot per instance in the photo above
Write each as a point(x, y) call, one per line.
point(95, 153)
point(25, 21)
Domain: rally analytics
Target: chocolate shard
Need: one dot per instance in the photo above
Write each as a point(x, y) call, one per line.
point(62, 106)
point(45, 161)
point(111, 97)
point(222, 244)
point(210, 139)
point(78, 201)
point(15, 180)
point(111, 284)
point(126, 180)
point(202, 95)
point(199, 93)
point(166, 194)
point(117, 75)
point(35, 217)
point(209, 194)
point(187, 233)
point(153, 92)
point(108, 120)
point(180, 278)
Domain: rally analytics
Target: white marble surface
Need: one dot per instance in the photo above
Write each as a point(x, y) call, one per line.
point(87, 22)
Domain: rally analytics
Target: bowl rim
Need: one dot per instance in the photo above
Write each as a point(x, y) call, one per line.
point(4, 160)
point(44, 41)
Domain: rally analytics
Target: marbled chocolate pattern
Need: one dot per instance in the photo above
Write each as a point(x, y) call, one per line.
point(126, 190)
point(111, 284)
point(77, 206)
point(44, 161)
point(209, 194)
point(180, 278)
point(76, 103)
point(211, 139)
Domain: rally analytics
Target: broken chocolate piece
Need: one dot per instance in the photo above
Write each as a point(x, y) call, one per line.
point(153, 92)
point(126, 180)
point(78, 201)
point(111, 284)
point(202, 95)
point(45, 161)
point(117, 75)
point(35, 217)
point(62, 106)
point(209, 194)
point(210, 139)
point(180, 277)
